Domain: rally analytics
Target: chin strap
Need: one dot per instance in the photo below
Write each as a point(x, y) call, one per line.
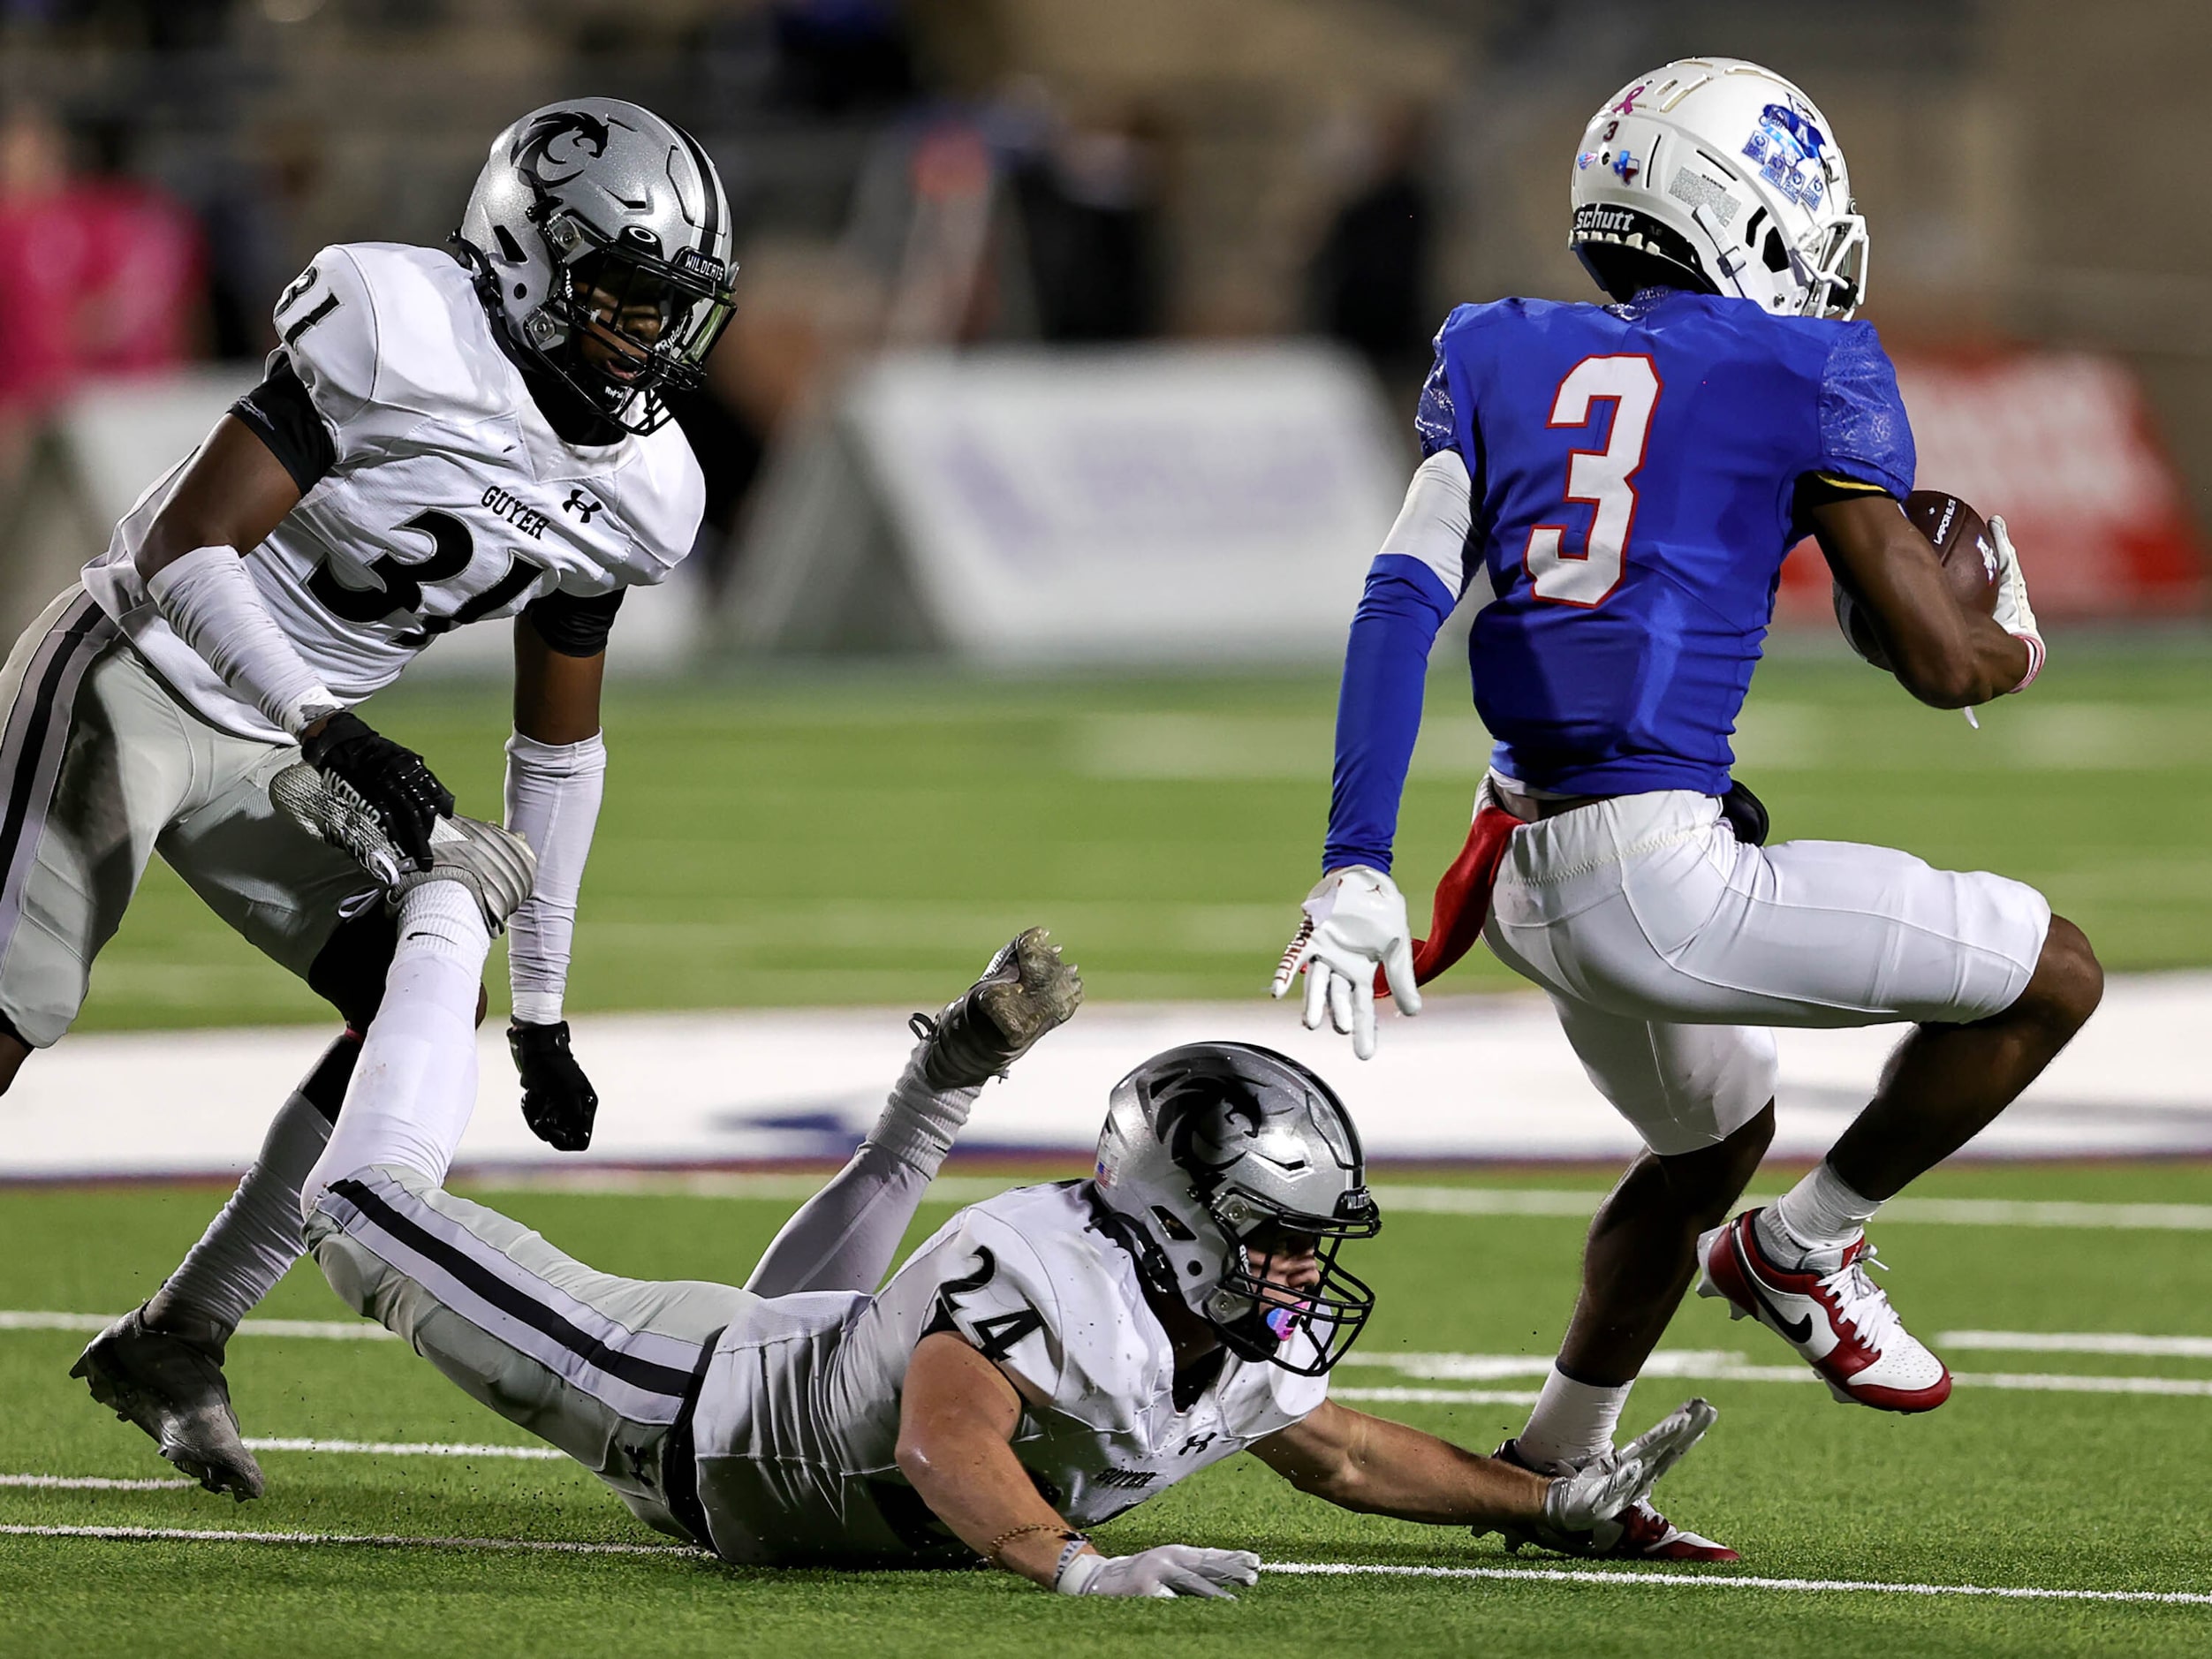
point(1733, 258)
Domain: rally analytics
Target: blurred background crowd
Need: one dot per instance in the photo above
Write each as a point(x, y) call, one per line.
point(1071, 176)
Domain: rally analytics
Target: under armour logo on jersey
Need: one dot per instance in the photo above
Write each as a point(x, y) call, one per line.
point(1197, 1443)
point(583, 505)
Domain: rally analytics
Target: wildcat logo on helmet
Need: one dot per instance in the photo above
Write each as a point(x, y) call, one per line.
point(1792, 153)
point(563, 140)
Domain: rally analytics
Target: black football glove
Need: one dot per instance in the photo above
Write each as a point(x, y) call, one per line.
point(399, 787)
point(558, 1102)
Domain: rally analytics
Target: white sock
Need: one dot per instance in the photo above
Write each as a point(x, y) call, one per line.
point(1572, 1422)
point(415, 1085)
point(918, 1123)
point(253, 1242)
point(1822, 1212)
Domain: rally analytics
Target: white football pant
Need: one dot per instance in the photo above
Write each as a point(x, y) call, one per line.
point(1669, 947)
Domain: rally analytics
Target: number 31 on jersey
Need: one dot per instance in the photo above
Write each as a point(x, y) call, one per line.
point(1584, 577)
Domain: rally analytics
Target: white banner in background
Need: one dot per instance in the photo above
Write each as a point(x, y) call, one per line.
point(1169, 503)
point(1474, 1077)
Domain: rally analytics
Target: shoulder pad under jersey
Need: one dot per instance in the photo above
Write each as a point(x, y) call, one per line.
point(382, 334)
point(1039, 1293)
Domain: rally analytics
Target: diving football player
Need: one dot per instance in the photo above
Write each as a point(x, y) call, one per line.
point(1611, 490)
point(1047, 1360)
point(441, 438)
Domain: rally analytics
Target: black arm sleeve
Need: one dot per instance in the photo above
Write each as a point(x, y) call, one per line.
point(281, 415)
point(574, 626)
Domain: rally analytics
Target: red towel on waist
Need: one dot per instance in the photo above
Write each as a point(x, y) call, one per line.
point(1463, 898)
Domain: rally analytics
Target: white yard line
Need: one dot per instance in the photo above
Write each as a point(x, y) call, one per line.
point(90, 1483)
point(1305, 1569)
point(1703, 1581)
point(375, 1540)
point(2078, 1342)
point(1700, 1365)
point(320, 1329)
point(1958, 1212)
point(406, 1448)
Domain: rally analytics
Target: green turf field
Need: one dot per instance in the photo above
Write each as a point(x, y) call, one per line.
point(2020, 1488)
point(866, 835)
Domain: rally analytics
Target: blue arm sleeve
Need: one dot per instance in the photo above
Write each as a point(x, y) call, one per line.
point(1864, 432)
point(1378, 711)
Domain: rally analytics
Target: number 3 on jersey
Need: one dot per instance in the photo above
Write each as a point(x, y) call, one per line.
point(1562, 576)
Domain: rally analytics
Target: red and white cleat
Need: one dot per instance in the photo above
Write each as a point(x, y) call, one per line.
point(1826, 1308)
point(1639, 1532)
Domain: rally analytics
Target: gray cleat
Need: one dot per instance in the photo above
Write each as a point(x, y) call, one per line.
point(170, 1384)
point(1025, 992)
point(492, 862)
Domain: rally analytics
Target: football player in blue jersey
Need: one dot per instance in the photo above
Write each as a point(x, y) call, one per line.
point(1612, 488)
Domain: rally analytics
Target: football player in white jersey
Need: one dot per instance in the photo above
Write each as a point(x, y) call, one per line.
point(441, 437)
point(1048, 1359)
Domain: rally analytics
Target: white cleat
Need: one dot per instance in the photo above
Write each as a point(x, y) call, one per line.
point(1825, 1307)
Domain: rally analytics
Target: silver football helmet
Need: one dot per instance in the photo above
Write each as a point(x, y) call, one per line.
point(596, 220)
point(1215, 1147)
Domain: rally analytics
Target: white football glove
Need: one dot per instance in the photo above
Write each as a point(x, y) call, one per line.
point(1588, 1500)
point(2013, 613)
point(1160, 1574)
point(1355, 919)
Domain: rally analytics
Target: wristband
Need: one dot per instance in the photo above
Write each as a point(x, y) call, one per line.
point(2036, 652)
point(537, 1008)
point(1076, 1570)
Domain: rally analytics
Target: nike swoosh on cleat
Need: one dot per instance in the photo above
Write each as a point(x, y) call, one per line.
point(1801, 1331)
point(1796, 1330)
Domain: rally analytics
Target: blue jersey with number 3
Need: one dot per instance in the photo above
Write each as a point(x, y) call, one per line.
point(1634, 469)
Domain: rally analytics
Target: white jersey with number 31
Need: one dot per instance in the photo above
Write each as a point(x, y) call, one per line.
point(451, 499)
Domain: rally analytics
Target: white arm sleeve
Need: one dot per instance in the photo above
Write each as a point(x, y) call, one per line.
point(1434, 524)
point(208, 599)
point(553, 792)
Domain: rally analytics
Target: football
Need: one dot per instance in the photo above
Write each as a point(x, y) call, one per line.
point(1961, 537)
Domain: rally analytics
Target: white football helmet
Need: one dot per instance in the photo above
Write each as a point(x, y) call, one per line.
point(1715, 174)
point(594, 194)
point(1215, 1145)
